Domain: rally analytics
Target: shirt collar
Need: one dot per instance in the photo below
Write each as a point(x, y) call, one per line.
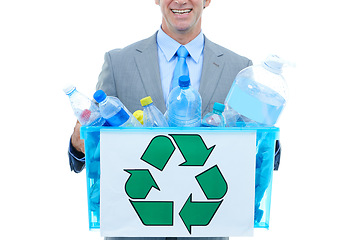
point(169, 46)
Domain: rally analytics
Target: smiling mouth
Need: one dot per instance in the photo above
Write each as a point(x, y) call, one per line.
point(179, 12)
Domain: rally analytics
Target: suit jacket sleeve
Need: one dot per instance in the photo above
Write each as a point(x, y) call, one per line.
point(76, 159)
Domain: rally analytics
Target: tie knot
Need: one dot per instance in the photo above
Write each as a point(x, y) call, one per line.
point(182, 52)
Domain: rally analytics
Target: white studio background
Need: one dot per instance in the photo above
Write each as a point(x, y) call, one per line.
point(46, 44)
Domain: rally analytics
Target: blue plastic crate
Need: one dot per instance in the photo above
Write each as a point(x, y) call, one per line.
point(265, 145)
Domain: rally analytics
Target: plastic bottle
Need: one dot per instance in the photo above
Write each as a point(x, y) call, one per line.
point(115, 113)
point(231, 116)
point(85, 110)
point(214, 118)
point(259, 92)
point(152, 115)
point(184, 105)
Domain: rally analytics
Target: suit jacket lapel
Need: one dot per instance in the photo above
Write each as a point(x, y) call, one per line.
point(147, 63)
point(211, 72)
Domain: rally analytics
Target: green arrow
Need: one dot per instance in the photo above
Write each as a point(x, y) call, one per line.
point(139, 183)
point(192, 148)
point(198, 213)
point(154, 213)
point(158, 152)
point(212, 183)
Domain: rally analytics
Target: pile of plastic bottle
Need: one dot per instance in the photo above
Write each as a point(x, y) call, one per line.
point(256, 99)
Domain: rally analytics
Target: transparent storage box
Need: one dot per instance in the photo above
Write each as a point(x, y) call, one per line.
point(265, 150)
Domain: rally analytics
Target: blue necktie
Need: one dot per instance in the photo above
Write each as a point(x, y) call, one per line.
point(181, 67)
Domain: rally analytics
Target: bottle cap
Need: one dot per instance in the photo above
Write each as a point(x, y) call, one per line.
point(146, 101)
point(139, 116)
point(274, 64)
point(219, 107)
point(68, 89)
point(99, 96)
point(184, 81)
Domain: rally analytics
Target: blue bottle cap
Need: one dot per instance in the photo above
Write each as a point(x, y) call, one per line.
point(99, 96)
point(184, 81)
point(219, 107)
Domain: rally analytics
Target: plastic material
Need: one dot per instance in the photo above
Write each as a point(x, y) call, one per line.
point(214, 118)
point(85, 110)
point(230, 115)
point(184, 105)
point(91, 135)
point(139, 114)
point(259, 92)
point(152, 116)
point(265, 151)
point(265, 146)
point(114, 111)
point(146, 101)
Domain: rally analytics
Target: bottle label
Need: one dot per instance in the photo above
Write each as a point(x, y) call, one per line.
point(119, 118)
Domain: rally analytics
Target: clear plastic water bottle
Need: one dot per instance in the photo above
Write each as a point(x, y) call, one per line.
point(152, 116)
point(231, 116)
point(184, 105)
point(85, 110)
point(259, 92)
point(115, 113)
point(214, 118)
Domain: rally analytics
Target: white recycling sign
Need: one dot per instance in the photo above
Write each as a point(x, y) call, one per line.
point(172, 183)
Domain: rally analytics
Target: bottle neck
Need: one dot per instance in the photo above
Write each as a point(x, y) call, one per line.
point(184, 88)
point(148, 105)
point(217, 112)
point(71, 92)
point(104, 101)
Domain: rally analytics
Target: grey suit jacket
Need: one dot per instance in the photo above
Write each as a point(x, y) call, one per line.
point(132, 73)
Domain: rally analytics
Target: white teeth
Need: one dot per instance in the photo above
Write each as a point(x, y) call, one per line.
point(181, 11)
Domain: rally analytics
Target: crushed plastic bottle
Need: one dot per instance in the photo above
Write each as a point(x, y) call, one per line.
point(184, 105)
point(231, 116)
point(152, 116)
point(214, 118)
point(114, 111)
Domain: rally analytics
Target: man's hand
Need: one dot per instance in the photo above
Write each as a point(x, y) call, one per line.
point(77, 143)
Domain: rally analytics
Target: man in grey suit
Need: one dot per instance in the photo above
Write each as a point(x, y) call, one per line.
point(145, 68)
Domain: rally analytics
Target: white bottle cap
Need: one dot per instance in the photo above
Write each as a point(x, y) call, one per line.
point(68, 89)
point(273, 64)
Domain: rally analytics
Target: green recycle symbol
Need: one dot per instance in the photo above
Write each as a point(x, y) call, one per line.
point(161, 213)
